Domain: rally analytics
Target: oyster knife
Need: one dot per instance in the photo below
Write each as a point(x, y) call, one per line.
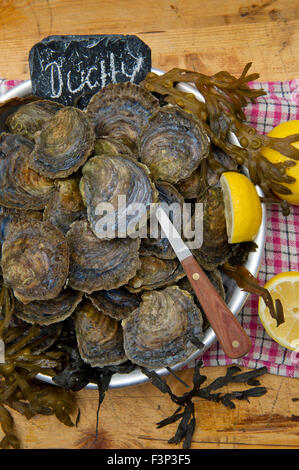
point(230, 334)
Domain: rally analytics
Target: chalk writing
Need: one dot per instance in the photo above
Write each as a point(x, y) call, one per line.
point(55, 78)
point(63, 67)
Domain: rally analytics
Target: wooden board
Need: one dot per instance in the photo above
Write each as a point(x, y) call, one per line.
point(206, 36)
point(128, 417)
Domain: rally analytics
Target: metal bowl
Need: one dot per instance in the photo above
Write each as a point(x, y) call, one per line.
point(235, 296)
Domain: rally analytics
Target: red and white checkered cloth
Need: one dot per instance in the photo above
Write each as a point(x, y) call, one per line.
point(6, 85)
point(282, 240)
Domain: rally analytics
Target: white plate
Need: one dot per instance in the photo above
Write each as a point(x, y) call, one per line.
point(236, 297)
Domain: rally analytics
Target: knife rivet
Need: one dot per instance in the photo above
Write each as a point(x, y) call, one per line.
point(195, 276)
point(235, 344)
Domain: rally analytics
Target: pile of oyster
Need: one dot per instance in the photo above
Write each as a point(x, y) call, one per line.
point(128, 297)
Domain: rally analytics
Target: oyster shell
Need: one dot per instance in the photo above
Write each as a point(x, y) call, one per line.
point(110, 146)
point(121, 182)
point(117, 303)
point(217, 281)
point(161, 247)
point(207, 174)
point(215, 249)
point(99, 337)
point(97, 264)
point(154, 273)
point(47, 337)
point(8, 107)
point(173, 144)
point(8, 216)
point(20, 186)
point(192, 187)
point(49, 311)
point(219, 161)
point(120, 110)
point(157, 334)
point(39, 343)
point(63, 145)
point(31, 117)
point(35, 260)
point(66, 204)
point(241, 251)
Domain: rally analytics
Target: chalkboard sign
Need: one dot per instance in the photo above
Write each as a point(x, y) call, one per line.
point(64, 68)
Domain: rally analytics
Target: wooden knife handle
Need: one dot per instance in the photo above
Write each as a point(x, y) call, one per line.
point(232, 337)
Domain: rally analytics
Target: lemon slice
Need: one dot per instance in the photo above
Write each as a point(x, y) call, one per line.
point(243, 209)
point(283, 130)
point(283, 286)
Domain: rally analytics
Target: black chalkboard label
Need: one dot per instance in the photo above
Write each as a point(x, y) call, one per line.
point(64, 68)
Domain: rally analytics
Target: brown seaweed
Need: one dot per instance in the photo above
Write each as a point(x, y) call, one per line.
point(247, 282)
point(185, 402)
point(44, 338)
point(225, 97)
point(18, 388)
point(7, 424)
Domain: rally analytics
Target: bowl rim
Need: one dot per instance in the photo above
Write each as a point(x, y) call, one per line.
point(238, 297)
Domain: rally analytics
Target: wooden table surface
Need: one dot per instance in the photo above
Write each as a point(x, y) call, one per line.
point(206, 36)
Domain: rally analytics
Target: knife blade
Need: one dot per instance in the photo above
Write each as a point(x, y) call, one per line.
point(2, 351)
point(230, 334)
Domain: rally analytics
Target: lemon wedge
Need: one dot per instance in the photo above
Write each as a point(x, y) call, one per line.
point(285, 287)
point(243, 209)
point(284, 130)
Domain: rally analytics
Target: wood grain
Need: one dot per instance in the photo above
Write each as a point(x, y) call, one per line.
point(128, 417)
point(206, 36)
